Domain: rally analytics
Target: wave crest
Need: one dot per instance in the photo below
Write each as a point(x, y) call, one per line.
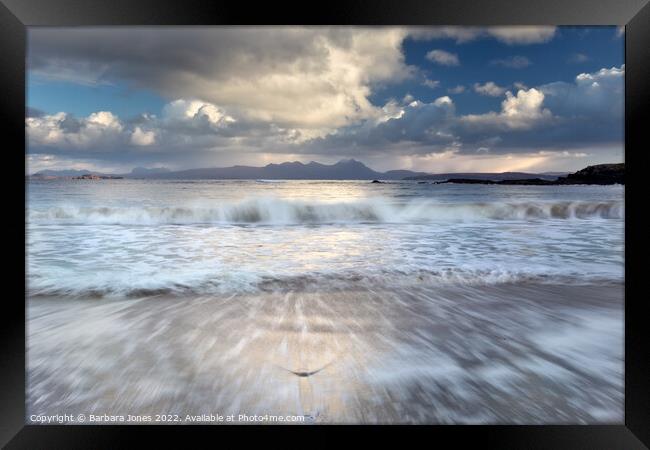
point(276, 211)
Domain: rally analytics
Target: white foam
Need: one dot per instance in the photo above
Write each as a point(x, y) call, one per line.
point(204, 237)
point(282, 211)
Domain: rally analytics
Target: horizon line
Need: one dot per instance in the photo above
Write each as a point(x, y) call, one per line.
point(168, 170)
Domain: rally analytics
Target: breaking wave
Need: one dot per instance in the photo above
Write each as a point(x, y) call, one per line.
point(379, 210)
point(237, 282)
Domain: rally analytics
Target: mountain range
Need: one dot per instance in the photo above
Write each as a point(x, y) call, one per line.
point(347, 169)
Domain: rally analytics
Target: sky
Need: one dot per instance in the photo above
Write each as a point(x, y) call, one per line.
point(435, 99)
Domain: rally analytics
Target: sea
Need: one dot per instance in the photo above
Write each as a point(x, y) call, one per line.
point(325, 301)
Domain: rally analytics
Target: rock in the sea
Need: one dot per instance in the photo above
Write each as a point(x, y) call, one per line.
point(376, 181)
point(598, 174)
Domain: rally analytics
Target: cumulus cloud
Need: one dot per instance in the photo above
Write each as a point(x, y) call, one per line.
point(313, 79)
point(489, 89)
point(307, 91)
point(443, 58)
point(592, 96)
point(514, 62)
point(195, 117)
point(586, 113)
point(188, 110)
point(182, 121)
point(308, 79)
point(581, 118)
point(62, 130)
point(188, 132)
point(142, 138)
point(521, 111)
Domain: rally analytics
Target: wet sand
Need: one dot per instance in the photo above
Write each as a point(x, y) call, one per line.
point(510, 353)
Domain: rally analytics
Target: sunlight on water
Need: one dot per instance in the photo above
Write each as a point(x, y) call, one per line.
point(128, 237)
point(340, 301)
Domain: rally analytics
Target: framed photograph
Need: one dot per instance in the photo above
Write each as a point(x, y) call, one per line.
point(418, 214)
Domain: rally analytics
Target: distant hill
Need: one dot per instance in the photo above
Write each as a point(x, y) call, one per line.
point(348, 169)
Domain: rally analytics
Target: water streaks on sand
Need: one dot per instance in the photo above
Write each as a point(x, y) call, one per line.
point(440, 355)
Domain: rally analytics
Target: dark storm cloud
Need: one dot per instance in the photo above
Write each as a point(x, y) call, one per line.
point(302, 91)
point(312, 77)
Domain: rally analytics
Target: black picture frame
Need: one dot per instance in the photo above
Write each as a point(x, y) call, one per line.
point(16, 15)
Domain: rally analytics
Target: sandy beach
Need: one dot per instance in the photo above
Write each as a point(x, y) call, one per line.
point(510, 353)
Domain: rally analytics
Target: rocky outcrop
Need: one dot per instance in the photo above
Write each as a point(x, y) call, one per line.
point(598, 174)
